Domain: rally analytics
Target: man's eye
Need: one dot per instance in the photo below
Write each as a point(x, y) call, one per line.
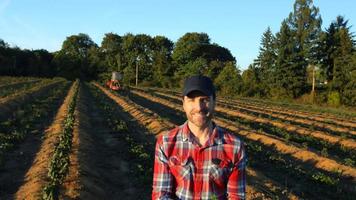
point(206, 100)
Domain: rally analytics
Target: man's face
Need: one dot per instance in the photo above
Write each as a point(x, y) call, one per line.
point(199, 108)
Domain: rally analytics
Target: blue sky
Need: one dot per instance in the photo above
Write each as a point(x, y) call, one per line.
point(235, 24)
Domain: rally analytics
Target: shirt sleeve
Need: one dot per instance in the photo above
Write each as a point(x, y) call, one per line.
point(237, 180)
point(163, 184)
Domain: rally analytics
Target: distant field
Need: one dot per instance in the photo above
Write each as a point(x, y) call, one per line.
point(80, 140)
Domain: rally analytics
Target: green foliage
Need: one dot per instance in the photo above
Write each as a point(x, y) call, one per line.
point(265, 64)
point(17, 62)
point(59, 164)
point(334, 98)
point(349, 162)
point(163, 68)
point(289, 77)
point(26, 119)
point(229, 81)
point(252, 86)
point(305, 22)
point(111, 46)
point(76, 58)
point(185, 47)
point(322, 178)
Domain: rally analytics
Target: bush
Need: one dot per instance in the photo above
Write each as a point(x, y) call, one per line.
point(321, 98)
point(334, 99)
point(279, 94)
point(306, 98)
point(349, 94)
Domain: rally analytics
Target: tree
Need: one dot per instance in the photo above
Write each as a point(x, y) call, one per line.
point(266, 61)
point(193, 49)
point(163, 69)
point(229, 82)
point(305, 21)
point(290, 75)
point(251, 84)
point(331, 43)
point(72, 60)
point(344, 53)
point(213, 52)
point(185, 50)
point(138, 52)
point(111, 48)
point(78, 45)
point(349, 89)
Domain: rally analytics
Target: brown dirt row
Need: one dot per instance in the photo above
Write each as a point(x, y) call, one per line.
point(7, 105)
point(321, 117)
point(329, 123)
point(309, 122)
point(19, 159)
point(71, 186)
point(18, 84)
point(6, 80)
point(36, 177)
point(96, 170)
point(306, 156)
point(151, 120)
point(347, 143)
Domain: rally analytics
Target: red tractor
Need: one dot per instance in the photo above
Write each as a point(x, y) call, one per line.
point(114, 83)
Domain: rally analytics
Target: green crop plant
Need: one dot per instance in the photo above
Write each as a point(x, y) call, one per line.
point(59, 165)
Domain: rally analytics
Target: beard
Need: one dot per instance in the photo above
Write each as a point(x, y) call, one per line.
point(201, 118)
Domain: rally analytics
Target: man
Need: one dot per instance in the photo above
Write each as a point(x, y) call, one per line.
point(199, 160)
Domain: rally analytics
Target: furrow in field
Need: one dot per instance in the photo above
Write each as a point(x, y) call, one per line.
point(36, 177)
point(7, 105)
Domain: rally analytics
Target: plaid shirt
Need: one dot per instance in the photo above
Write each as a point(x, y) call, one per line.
point(185, 170)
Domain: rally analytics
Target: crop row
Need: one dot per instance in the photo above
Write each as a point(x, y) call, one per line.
point(138, 148)
point(16, 87)
point(319, 111)
point(36, 177)
point(29, 118)
point(59, 164)
point(12, 102)
point(335, 123)
point(5, 80)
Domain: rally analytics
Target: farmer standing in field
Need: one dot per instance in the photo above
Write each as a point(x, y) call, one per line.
point(199, 160)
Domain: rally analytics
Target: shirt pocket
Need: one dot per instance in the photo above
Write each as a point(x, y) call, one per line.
point(181, 168)
point(219, 171)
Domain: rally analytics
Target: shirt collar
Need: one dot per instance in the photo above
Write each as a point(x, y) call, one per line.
point(215, 138)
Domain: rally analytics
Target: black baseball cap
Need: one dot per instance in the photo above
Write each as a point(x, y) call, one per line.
point(200, 83)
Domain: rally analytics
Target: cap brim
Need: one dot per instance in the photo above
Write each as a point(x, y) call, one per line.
point(206, 92)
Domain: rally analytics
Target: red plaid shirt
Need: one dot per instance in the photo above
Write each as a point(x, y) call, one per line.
point(185, 170)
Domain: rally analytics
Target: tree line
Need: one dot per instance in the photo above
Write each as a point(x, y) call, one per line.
point(303, 61)
point(300, 61)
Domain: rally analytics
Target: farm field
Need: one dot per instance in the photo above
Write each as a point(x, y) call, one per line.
point(64, 139)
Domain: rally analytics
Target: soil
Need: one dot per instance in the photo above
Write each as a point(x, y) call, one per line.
point(19, 160)
point(98, 167)
point(36, 177)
